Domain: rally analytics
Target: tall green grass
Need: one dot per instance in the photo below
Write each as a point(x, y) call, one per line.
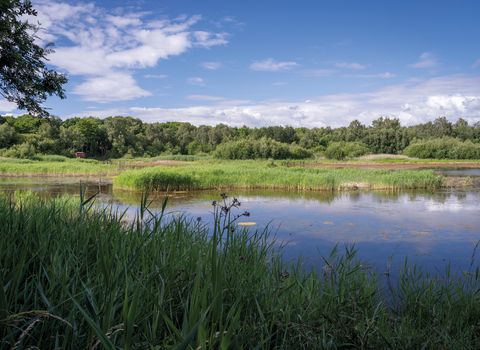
point(56, 165)
point(249, 174)
point(76, 277)
point(175, 157)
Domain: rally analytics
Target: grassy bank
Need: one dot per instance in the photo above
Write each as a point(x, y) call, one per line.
point(72, 278)
point(250, 174)
point(59, 166)
point(56, 166)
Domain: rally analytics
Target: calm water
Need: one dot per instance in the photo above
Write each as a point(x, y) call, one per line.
point(433, 228)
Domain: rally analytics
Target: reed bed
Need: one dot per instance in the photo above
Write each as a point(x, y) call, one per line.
point(56, 166)
point(246, 174)
point(76, 276)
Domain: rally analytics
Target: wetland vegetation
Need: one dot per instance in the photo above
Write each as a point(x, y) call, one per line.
point(249, 174)
point(159, 281)
point(78, 275)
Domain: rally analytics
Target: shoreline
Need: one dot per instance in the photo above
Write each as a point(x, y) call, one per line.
point(389, 166)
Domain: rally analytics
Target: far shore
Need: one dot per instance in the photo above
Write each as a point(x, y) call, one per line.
point(106, 173)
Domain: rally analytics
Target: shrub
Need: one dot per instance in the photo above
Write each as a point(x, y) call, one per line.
point(335, 150)
point(260, 149)
point(25, 150)
point(356, 149)
point(444, 148)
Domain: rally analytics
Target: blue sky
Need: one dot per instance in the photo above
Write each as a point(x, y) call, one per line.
point(258, 63)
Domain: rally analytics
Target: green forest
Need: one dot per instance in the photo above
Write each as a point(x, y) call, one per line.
point(115, 137)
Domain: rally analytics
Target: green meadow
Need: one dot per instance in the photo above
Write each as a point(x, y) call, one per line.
point(251, 174)
point(75, 275)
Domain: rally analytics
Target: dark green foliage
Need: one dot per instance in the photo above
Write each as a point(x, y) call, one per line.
point(444, 148)
point(264, 148)
point(22, 151)
point(335, 150)
point(27, 124)
point(340, 150)
point(8, 135)
point(127, 137)
point(24, 77)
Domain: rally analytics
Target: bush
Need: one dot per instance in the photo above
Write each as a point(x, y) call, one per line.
point(444, 148)
point(356, 149)
point(25, 150)
point(335, 150)
point(260, 149)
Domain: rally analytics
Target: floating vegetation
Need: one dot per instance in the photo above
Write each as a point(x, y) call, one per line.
point(246, 223)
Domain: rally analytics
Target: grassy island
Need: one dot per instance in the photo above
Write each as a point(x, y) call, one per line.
point(76, 276)
point(251, 174)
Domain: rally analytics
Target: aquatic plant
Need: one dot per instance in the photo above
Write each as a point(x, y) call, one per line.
point(250, 174)
point(75, 276)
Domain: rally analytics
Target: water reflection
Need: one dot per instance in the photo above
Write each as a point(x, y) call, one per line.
point(430, 227)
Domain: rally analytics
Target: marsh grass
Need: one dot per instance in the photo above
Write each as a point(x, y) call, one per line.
point(56, 165)
point(180, 157)
point(78, 276)
point(251, 174)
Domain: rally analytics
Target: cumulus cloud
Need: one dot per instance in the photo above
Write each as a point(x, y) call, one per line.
point(381, 75)
point(271, 65)
point(352, 65)
point(412, 102)
point(116, 86)
point(97, 43)
point(196, 81)
point(427, 60)
point(211, 65)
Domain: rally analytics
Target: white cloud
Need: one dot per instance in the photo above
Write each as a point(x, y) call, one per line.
point(452, 96)
point(381, 75)
point(116, 86)
point(102, 42)
point(271, 65)
point(279, 83)
point(427, 60)
point(196, 81)
point(475, 64)
point(318, 72)
point(211, 65)
point(207, 39)
point(204, 98)
point(352, 65)
point(6, 106)
point(156, 76)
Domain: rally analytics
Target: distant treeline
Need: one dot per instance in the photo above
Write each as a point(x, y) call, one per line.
point(114, 137)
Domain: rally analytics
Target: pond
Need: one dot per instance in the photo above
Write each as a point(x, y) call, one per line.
point(432, 228)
